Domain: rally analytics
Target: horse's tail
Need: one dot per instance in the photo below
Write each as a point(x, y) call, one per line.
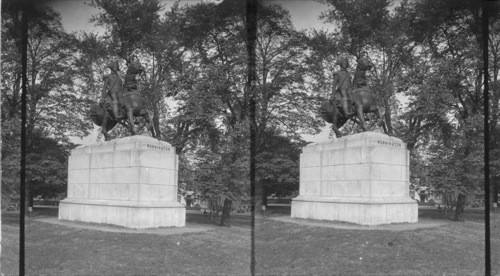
point(327, 111)
point(341, 120)
point(324, 112)
point(96, 114)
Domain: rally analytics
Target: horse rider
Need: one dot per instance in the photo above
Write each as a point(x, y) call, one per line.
point(360, 79)
point(342, 84)
point(134, 68)
point(112, 90)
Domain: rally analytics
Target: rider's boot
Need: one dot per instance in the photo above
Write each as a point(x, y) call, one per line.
point(346, 108)
point(115, 110)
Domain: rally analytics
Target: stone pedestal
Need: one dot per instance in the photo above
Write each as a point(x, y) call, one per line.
point(130, 182)
point(361, 178)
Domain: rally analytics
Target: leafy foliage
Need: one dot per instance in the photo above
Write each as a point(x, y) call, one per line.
point(55, 106)
point(278, 164)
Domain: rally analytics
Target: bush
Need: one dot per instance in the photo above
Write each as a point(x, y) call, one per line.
point(430, 202)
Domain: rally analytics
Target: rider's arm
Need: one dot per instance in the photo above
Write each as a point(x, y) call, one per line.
point(105, 88)
point(344, 93)
point(334, 84)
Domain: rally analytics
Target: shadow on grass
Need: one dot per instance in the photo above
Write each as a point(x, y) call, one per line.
point(192, 216)
point(470, 214)
point(425, 212)
point(237, 220)
point(10, 218)
point(243, 220)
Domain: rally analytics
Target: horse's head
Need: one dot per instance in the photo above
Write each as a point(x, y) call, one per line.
point(135, 68)
point(364, 64)
point(342, 61)
point(113, 65)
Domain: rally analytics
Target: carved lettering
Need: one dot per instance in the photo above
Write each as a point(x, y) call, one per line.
point(158, 147)
point(396, 144)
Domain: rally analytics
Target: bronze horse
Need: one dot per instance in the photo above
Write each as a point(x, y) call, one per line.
point(131, 105)
point(360, 97)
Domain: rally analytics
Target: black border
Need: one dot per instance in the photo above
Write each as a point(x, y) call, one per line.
point(24, 55)
point(251, 26)
point(487, 248)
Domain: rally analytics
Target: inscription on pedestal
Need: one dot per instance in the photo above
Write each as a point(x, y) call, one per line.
point(158, 147)
point(389, 143)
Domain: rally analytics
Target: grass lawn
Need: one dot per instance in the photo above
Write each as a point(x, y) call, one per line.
point(280, 248)
point(455, 248)
point(54, 249)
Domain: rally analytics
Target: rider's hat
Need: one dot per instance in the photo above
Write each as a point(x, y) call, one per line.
point(342, 61)
point(364, 63)
point(135, 66)
point(113, 64)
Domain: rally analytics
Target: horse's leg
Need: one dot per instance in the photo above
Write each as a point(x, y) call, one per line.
point(104, 128)
point(361, 115)
point(355, 119)
point(124, 123)
point(335, 118)
point(130, 116)
point(380, 121)
point(149, 121)
point(336, 130)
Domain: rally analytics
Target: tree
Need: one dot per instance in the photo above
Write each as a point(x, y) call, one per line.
point(454, 41)
point(494, 80)
point(278, 165)
point(54, 105)
point(216, 100)
point(46, 169)
point(218, 177)
point(129, 24)
point(283, 101)
point(215, 104)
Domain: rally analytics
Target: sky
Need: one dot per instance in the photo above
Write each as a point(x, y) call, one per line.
point(76, 14)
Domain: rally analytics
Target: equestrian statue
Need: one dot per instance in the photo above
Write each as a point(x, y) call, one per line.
point(120, 103)
point(351, 101)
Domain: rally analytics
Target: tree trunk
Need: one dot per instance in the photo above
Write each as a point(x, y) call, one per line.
point(387, 116)
point(156, 122)
point(459, 210)
point(226, 212)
